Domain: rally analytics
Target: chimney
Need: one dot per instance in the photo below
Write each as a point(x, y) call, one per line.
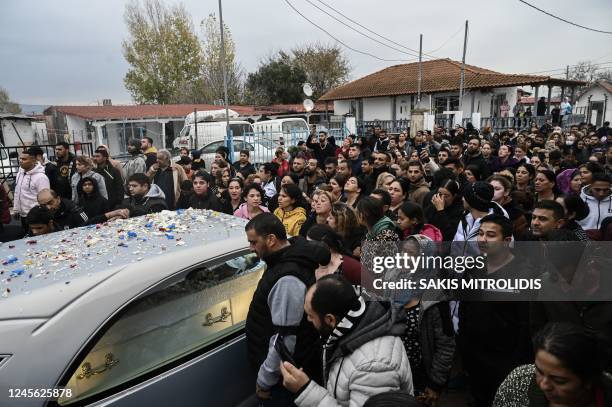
point(106, 102)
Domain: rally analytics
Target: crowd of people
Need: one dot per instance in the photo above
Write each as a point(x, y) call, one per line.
point(311, 211)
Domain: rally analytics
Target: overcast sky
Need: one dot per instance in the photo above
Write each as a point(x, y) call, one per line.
point(69, 51)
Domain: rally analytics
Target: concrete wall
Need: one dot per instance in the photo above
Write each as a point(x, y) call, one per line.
point(77, 129)
point(377, 108)
point(342, 107)
point(24, 128)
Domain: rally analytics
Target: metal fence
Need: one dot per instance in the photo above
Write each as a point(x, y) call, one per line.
point(9, 157)
point(497, 124)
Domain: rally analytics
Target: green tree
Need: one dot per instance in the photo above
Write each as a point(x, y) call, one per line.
point(163, 51)
point(6, 106)
point(212, 71)
point(326, 66)
point(277, 80)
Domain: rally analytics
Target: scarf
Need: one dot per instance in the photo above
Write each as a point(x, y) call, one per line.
point(383, 223)
point(346, 326)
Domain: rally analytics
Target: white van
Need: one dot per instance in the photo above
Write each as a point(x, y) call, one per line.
point(211, 126)
point(9, 167)
point(211, 131)
point(289, 130)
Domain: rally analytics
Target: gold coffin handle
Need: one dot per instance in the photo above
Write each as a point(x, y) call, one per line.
point(87, 371)
point(225, 314)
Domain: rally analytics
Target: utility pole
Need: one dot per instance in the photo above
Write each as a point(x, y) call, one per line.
point(420, 69)
point(462, 82)
point(230, 144)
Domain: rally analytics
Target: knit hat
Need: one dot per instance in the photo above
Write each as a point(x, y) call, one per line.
point(478, 195)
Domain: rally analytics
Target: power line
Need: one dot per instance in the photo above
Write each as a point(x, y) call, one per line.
point(563, 69)
point(373, 32)
point(359, 32)
point(564, 20)
point(341, 42)
point(449, 38)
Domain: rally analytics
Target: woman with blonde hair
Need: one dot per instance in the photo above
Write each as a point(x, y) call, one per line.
point(384, 180)
point(342, 220)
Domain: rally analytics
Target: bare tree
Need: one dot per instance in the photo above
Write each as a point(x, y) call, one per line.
point(163, 51)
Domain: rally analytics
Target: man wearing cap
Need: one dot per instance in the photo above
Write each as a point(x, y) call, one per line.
point(31, 179)
point(112, 177)
point(478, 203)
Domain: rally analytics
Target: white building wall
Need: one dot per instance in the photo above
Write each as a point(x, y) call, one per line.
point(597, 94)
point(24, 128)
point(403, 106)
point(342, 107)
point(377, 108)
point(77, 129)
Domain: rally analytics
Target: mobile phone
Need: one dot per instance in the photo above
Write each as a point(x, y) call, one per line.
point(283, 352)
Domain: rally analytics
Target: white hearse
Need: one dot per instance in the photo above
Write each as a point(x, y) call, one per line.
point(144, 311)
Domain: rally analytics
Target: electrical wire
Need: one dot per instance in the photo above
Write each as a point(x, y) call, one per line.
point(563, 69)
point(341, 42)
point(375, 33)
point(564, 20)
point(447, 41)
point(412, 54)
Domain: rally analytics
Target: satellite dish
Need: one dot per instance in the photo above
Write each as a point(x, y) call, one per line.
point(308, 105)
point(307, 88)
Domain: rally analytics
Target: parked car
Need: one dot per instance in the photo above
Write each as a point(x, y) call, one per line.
point(147, 311)
point(289, 130)
point(260, 151)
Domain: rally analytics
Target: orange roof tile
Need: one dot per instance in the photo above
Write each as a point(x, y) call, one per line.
point(439, 75)
point(132, 112)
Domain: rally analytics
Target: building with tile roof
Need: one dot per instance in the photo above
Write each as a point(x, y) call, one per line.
point(391, 93)
point(596, 102)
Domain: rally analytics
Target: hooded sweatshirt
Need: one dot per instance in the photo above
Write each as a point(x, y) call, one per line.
point(243, 211)
point(598, 210)
point(365, 359)
point(153, 201)
point(74, 181)
point(292, 220)
point(27, 186)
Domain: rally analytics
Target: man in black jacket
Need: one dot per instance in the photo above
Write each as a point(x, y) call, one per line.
point(66, 166)
point(494, 328)
point(473, 156)
point(67, 215)
point(243, 165)
point(112, 177)
point(322, 148)
point(144, 198)
point(277, 309)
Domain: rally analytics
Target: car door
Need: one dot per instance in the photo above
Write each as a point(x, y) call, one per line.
point(207, 153)
point(181, 343)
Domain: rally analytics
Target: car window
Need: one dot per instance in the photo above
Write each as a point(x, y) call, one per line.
point(167, 325)
point(212, 147)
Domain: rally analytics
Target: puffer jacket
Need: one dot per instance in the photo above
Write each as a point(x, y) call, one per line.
point(27, 186)
point(292, 220)
point(371, 359)
point(598, 210)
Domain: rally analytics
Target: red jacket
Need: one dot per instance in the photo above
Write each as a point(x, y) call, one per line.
point(5, 215)
point(283, 167)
